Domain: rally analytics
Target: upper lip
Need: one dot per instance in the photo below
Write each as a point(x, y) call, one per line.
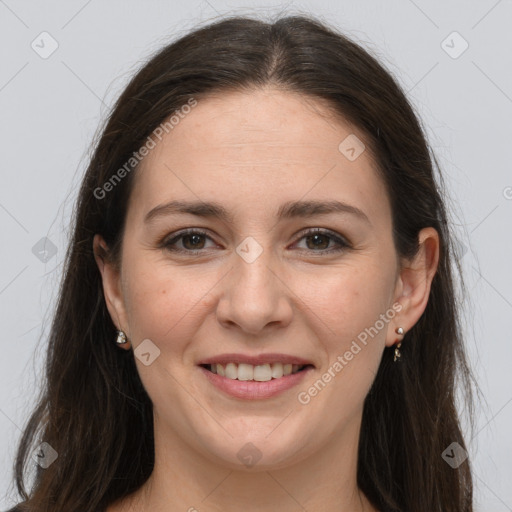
point(256, 360)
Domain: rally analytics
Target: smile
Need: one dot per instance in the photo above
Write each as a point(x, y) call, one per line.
point(258, 373)
point(258, 382)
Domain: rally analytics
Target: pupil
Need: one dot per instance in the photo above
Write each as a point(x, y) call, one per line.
point(196, 239)
point(315, 237)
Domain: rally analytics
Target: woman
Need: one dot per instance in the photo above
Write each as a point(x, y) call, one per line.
point(257, 310)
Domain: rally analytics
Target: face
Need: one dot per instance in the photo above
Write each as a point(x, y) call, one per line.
point(325, 286)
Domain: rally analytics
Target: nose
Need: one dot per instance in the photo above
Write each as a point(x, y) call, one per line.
point(255, 295)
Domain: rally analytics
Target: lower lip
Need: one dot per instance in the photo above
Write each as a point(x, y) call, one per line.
point(253, 390)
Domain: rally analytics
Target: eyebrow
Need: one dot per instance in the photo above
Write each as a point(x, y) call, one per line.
point(287, 210)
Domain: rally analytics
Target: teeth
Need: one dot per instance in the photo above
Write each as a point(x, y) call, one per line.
point(231, 370)
point(277, 370)
point(245, 372)
point(259, 373)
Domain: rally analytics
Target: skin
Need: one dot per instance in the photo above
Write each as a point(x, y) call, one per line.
point(251, 152)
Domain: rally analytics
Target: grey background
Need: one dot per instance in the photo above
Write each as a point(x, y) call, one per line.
point(50, 109)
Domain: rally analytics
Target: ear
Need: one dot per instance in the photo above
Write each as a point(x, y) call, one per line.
point(413, 285)
point(111, 278)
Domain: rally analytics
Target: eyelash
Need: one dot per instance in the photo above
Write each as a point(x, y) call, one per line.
point(167, 244)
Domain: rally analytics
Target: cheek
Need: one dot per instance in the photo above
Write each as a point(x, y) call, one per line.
point(345, 301)
point(344, 313)
point(163, 302)
point(149, 301)
point(354, 316)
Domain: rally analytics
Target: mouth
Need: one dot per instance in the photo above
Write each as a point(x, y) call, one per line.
point(253, 382)
point(255, 373)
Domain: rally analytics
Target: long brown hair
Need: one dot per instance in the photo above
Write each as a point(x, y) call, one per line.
point(94, 411)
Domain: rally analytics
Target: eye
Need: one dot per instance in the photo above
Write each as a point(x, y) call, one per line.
point(317, 240)
point(320, 239)
point(191, 240)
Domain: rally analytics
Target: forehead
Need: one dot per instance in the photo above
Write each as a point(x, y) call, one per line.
point(259, 149)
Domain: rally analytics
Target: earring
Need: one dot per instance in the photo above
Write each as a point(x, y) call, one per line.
point(121, 338)
point(398, 355)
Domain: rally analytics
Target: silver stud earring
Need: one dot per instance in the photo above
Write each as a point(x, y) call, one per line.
point(398, 355)
point(121, 338)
